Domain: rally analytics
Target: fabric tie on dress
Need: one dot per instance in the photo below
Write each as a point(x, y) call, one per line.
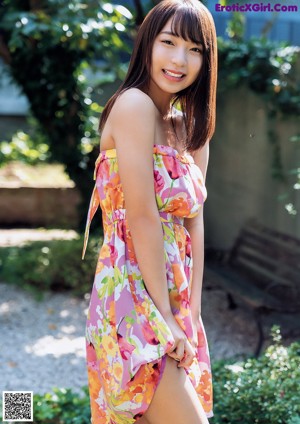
point(117, 215)
point(93, 206)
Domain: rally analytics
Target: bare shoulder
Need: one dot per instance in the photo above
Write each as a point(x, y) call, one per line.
point(133, 109)
point(134, 103)
point(132, 125)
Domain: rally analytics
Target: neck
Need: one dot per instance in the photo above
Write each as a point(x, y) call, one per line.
point(161, 101)
point(165, 110)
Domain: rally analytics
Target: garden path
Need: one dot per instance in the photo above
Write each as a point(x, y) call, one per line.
point(42, 344)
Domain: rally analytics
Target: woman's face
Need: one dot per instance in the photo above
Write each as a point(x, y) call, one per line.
point(176, 63)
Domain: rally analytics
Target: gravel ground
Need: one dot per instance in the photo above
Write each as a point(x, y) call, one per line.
point(42, 344)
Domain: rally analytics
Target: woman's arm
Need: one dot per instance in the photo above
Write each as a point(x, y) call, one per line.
point(132, 123)
point(195, 228)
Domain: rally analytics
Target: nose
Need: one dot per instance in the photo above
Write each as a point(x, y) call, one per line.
point(179, 57)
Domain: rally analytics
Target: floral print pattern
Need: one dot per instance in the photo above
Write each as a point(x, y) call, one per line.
point(126, 336)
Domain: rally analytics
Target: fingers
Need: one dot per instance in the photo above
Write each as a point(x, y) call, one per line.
point(183, 353)
point(178, 350)
point(182, 350)
point(188, 357)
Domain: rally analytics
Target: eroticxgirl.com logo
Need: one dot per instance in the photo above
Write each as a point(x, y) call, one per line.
point(256, 7)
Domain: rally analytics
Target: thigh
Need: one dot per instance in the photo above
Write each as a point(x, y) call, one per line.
point(175, 400)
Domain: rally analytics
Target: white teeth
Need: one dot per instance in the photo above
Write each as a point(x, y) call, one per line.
point(173, 75)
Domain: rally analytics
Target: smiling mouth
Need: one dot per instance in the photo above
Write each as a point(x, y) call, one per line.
point(173, 74)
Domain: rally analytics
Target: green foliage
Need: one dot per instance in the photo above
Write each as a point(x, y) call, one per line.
point(63, 406)
point(48, 48)
point(236, 26)
point(294, 420)
point(23, 148)
point(266, 67)
point(269, 69)
point(263, 390)
point(52, 48)
point(51, 265)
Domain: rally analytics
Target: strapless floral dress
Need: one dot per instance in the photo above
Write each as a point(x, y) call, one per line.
point(126, 336)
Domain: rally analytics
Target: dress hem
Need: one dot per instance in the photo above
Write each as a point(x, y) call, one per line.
point(162, 369)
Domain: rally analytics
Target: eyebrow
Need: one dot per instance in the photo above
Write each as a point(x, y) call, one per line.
point(175, 35)
point(169, 33)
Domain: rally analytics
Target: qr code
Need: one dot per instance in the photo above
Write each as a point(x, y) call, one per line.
point(17, 406)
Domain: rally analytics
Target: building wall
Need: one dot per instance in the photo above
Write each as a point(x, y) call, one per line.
point(239, 181)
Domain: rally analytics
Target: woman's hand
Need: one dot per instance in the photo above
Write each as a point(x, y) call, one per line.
point(182, 350)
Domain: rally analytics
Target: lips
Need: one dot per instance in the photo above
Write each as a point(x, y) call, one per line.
point(173, 74)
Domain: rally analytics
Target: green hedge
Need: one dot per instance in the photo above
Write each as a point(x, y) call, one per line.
point(51, 265)
point(263, 390)
point(22, 147)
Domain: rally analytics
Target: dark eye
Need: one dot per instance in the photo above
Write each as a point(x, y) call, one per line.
point(168, 42)
point(197, 50)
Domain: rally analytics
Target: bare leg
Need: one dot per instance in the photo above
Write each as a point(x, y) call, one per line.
point(175, 400)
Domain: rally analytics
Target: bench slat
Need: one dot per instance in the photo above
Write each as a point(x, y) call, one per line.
point(248, 255)
point(262, 260)
point(239, 287)
point(284, 242)
point(245, 263)
point(270, 249)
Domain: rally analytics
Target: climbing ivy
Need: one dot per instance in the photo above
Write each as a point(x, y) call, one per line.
point(48, 46)
point(268, 69)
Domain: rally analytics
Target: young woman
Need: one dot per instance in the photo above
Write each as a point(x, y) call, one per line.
point(147, 354)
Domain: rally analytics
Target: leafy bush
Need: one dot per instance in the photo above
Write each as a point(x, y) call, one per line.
point(267, 68)
point(263, 390)
point(63, 406)
point(49, 49)
point(51, 265)
point(23, 148)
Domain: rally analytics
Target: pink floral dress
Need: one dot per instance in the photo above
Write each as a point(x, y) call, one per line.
point(126, 336)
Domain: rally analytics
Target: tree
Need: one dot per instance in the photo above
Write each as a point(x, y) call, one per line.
point(46, 46)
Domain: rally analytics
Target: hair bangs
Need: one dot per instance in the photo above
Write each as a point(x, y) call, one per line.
point(191, 21)
point(186, 24)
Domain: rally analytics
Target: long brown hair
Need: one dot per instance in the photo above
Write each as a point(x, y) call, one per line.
point(191, 20)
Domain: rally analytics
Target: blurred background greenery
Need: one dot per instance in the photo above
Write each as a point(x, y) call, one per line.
point(67, 58)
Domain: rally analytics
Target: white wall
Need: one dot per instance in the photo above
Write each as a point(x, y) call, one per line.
point(239, 181)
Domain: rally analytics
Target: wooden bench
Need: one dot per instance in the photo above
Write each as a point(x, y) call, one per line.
point(262, 270)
